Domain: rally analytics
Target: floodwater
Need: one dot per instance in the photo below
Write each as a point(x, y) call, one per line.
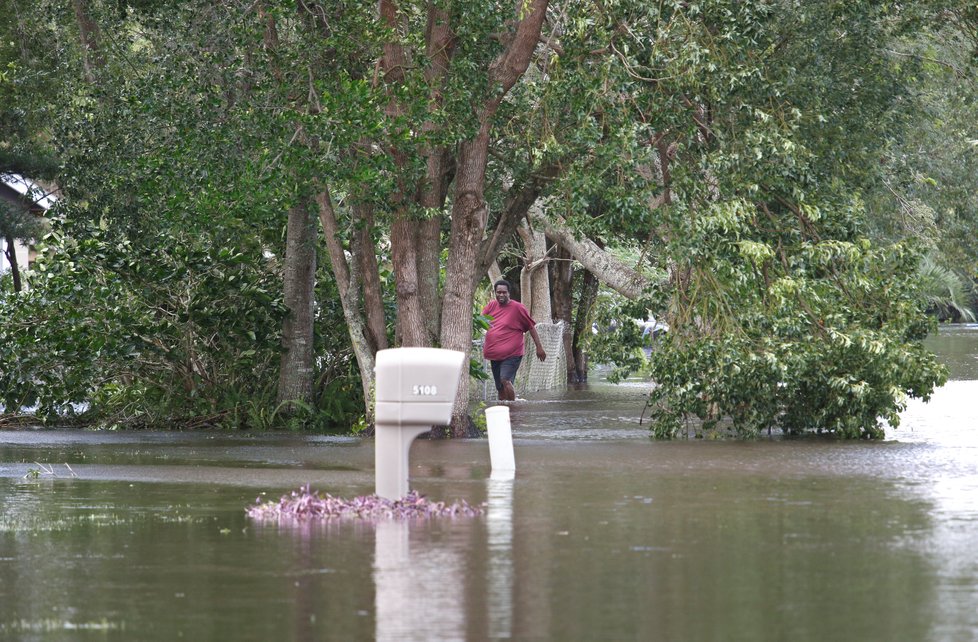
point(602, 535)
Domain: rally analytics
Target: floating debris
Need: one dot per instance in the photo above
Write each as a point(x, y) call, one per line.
point(305, 504)
point(42, 470)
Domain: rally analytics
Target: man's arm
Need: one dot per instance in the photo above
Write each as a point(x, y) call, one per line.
point(541, 354)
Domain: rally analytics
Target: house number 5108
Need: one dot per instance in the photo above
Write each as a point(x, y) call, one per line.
point(425, 390)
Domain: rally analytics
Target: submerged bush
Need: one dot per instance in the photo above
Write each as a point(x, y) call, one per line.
point(186, 335)
point(794, 333)
point(305, 504)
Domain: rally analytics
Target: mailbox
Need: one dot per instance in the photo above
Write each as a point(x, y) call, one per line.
point(415, 389)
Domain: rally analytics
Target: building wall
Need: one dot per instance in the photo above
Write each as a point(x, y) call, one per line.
point(21, 251)
point(20, 192)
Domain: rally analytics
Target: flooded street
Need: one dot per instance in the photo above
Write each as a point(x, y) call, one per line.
point(603, 535)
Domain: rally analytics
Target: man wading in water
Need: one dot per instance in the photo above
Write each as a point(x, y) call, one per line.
point(504, 341)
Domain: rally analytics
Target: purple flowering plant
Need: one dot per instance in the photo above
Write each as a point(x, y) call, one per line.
point(306, 504)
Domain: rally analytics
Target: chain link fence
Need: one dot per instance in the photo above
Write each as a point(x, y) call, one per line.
point(534, 375)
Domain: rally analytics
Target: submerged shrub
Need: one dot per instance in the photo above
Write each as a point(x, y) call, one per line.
point(817, 336)
point(305, 504)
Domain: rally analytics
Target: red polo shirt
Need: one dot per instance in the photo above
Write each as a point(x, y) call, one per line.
point(505, 336)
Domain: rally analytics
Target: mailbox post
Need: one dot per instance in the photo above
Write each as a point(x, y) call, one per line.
point(415, 390)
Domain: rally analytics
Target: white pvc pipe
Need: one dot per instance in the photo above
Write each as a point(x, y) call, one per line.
point(501, 571)
point(501, 456)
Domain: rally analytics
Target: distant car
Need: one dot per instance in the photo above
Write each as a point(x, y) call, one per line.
point(650, 327)
point(653, 327)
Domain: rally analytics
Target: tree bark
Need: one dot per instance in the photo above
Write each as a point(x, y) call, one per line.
point(404, 245)
point(404, 236)
point(519, 200)
point(534, 278)
point(416, 242)
point(297, 365)
point(469, 215)
point(439, 169)
point(609, 270)
point(562, 303)
point(297, 371)
point(348, 281)
point(582, 325)
point(469, 210)
point(364, 252)
point(429, 276)
point(432, 196)
point(88, 37)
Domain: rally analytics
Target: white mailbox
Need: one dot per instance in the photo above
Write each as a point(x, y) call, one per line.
point(415, 389)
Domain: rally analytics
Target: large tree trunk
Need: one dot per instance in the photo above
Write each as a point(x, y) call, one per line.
point(404, 230)
point(297, 372)
point(365, 254)
point(608, 269)
point(534, 278)
point(469, 215)
point(404, 246)
point(469, 212)
point(411, 328)
point(562, 303)
point(348, 281)
point(582, 325)
point(429, 276)
point(297, 369)
point(432, 197)
point(416, 243)
point(88, 37)
point(439, 48)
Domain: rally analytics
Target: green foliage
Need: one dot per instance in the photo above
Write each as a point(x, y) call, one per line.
point(189, 336)
point(809, 335)
point(178, 163)
point(773, 117)
point(479, 418)
point(24, 78)
point(477, 371)
point(929, 189)
point(802, 141)
point(944, 291)
point(144, 338)
point(619, 341)
point(19, 223)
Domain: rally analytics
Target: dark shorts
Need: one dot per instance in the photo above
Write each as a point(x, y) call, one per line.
point(505, 369)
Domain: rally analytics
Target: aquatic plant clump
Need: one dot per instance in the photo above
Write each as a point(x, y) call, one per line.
point(305, 504)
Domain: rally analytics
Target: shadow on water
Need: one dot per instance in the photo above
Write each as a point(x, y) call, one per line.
point(603, 533)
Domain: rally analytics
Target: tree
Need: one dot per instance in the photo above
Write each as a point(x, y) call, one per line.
point(711, 160)
point(743, 154)
point(17, 224)
point(22, 150)
point(463, 66)
point(163, 151)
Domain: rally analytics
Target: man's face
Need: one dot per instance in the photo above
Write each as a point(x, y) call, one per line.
point(502, 294)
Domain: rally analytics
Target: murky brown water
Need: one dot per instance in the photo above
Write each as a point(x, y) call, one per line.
point(603, 534)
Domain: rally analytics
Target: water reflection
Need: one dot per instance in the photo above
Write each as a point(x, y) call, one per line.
point(604, 535)
point(946, 469)
point(420, 592)
point(499, 528)
point(427, 584)
point(956, 346)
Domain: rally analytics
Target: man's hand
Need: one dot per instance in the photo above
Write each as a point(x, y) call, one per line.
point(541, 355)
